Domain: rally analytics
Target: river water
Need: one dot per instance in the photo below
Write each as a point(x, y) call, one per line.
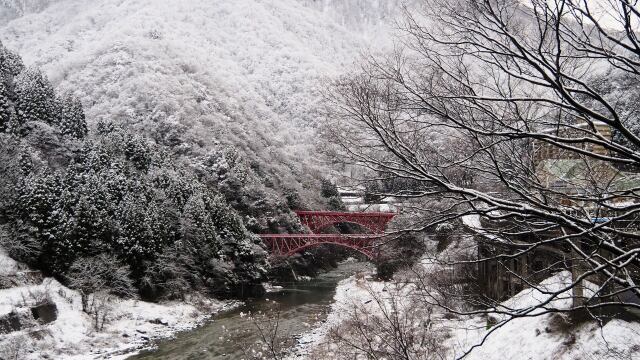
point(297, 308)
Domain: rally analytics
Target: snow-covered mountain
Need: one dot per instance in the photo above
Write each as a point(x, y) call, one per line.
point(365, 16)
point(192, 73)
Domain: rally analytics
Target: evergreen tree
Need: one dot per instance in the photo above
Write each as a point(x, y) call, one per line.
point(35, 100)
point(10, 63)
point(328, 189)
point(5, 106)
point(83, 223)
point(177, 186)
point(72, 118)
point(198, 232)
point(39, 211)
point(138, 151)
point(140, 230)
point(12, 175)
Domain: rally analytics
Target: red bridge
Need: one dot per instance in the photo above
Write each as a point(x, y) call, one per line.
point(375, 222)
point(289, 244)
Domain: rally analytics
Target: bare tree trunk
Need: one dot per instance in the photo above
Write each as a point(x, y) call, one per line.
point(578, 288)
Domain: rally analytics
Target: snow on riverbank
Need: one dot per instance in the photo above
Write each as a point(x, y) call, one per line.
point(131, 323)
point(540, 337)
point(350, 292)
point(547, 336)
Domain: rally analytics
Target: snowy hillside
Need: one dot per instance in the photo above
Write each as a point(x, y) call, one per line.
point(244, 72)
point(369, 17)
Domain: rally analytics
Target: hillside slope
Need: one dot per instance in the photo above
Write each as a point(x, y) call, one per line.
point(246, 73)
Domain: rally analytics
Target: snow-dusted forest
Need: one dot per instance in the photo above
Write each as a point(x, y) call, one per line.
point(156, 154)
point(196, 76)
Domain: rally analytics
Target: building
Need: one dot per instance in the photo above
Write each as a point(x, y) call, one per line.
point(567, 177)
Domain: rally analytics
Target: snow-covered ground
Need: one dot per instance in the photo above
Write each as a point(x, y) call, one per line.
point(350, 292)
point(539, 338)
point(524, 338)
point(130, 326)
point(7, 265)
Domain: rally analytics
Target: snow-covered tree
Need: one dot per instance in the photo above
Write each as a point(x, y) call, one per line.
point(35, 100)
point(10, 181)
point(623, 92)
point(101, 273)
point(21, 7)
point(10, 63)
point(37, 208)
point(138, 151)
point(72, 118)
point(329, 191)
point(248, 190)
point(198, 228)
point(137, 237)
point(5, 106)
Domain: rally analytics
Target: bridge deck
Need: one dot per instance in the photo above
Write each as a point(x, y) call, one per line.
point(288, 244)
point(321, 236)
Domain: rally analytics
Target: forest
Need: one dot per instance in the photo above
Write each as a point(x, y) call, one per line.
point(71, 197)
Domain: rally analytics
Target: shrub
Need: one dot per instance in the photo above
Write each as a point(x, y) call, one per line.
point(100, 274)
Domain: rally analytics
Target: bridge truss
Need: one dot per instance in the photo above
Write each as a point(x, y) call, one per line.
point(376, 222)
point(289, 244)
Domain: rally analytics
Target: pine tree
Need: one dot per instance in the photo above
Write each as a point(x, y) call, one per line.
point(72, 120)
point(84, 222)
point(39, 200)
point(138, 151)
point(38, 212)
point(328, 189)
point(177, 186)
point(140, 229)
point(197, 228)
point(10, 63)
point(5, 106)
point(35, 100)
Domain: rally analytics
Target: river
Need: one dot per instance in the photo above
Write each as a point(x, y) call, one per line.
point(298, 307)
